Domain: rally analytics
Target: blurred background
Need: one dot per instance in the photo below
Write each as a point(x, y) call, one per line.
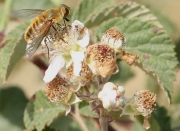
point(29, 77)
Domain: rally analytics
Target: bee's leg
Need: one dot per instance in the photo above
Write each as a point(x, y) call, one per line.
point(45, 34)
point(65, 19)
point(55, 29)
point(60, 26)
point(58, 33)
point(47, 48)
point(45, 40)
point(64, 22)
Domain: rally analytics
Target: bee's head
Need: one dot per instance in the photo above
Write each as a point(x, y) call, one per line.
point(65, 10)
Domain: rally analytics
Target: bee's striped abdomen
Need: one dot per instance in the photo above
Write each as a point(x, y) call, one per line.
point(36, 28)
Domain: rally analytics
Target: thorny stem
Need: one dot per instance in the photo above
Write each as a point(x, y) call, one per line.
point(79, 119)
point(92, 104)
point(102, 81)
point(103, 120)
point(87, 97)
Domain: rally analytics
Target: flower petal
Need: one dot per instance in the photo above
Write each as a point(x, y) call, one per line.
point(112, 96)
point(76, 100)
point(67, 108)
point(101, 94)
point(106, 102)
point(73, 99)
point(77, 58)
point(56, 63)
point(77, 23)
point(85, 40)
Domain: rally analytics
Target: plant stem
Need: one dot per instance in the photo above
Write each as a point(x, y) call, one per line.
point(79, 119)
point(92, 104)
point(4, 16)
point(103, 120)
point(87, 97)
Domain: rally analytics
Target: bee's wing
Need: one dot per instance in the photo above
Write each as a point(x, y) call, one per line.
point(26, 13)
point(32, 47)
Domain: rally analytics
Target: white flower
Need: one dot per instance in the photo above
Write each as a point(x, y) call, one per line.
point(56, 63)
point(112, 96)
point(66, 47)
point(77, 58)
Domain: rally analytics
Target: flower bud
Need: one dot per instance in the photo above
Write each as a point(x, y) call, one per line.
point(112, 96)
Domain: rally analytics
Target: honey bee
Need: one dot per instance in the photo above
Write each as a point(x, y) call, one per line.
point(40, 26)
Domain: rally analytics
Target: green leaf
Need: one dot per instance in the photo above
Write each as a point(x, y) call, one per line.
point(127, 10)
point(13, 50)
point(86, 110)
point(167, 24)
point(41, 112)
point(12, 105)
point(88, 7)
point(17, 32)
point(154, 48)
point(69, 124)
point(154, 126)
point(176, 95)
point(177, 50)
point(116, 114)
point(175, 115)
point(32, 4)
point(124, 74)
point(89, 122)
point(162, 118)
point(137, 127)
point(65, 123)
point(48, 129)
